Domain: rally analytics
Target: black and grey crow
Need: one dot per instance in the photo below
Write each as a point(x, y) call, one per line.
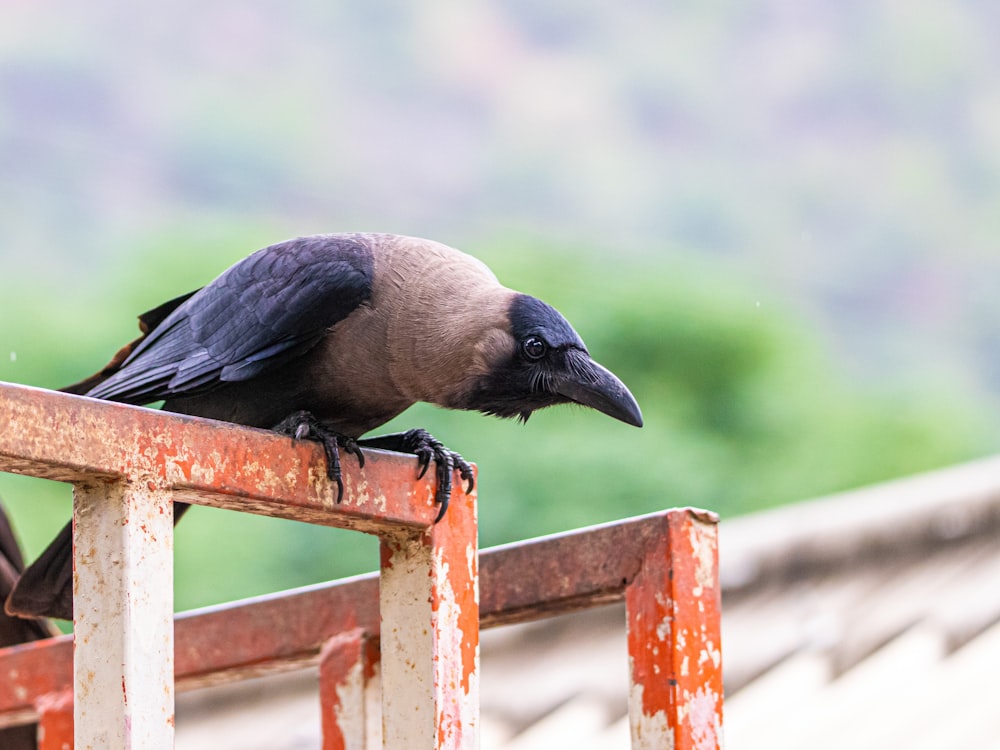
point(328, 337)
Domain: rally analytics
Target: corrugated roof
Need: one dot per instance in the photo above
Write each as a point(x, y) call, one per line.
point(861, 620)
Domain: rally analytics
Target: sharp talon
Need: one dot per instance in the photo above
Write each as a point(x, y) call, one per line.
point(302, 425)
point(445, 467)
point(333, 465)
point(444, 509)
point(352, 447)
point(426, 448)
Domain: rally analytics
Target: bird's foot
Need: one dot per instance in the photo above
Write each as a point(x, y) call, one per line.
point(426, 447)
point(303, 425)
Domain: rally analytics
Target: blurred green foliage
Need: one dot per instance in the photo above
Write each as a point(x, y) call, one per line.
point(744, 404)
point(834, 166)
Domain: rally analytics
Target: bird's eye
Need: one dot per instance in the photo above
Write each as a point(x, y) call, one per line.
point(533, 347)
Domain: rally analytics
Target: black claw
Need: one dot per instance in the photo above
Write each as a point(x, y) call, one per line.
point(304, 426)
point(351, 446)
point(426, 448)
point(333, 465)
point(423, 462)
point(444, 506)
point(465, 471)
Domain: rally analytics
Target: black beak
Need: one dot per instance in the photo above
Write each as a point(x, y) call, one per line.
point(588, 383)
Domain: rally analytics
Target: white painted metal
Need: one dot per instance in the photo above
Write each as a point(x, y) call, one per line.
point(373, 707)
point(123, 619)
point(408, 708)
point(429, 604)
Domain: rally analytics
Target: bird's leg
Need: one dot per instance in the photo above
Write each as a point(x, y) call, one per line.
point(303, 425)
point(426, 447)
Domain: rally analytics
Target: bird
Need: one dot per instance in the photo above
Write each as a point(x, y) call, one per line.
point(327, 337)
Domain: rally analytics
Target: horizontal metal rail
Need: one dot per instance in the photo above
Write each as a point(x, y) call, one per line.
point(81, 440)
point(289, 628)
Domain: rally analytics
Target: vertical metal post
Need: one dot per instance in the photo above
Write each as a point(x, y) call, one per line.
point(348, 665)
point(674, 638)
point(55, 722)
point(429, 597)
point(123, 626)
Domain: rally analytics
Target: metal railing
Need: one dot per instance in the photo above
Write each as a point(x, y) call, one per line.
point(416, 622)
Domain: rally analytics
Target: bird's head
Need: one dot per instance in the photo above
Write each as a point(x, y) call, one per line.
point(548, 364)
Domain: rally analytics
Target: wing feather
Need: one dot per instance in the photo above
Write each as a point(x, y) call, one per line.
point(266, 310)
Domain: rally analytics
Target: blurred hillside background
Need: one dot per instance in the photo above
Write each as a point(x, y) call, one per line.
point(777, 221)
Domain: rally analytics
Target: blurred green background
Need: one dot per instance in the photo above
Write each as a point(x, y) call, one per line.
point(776, 221)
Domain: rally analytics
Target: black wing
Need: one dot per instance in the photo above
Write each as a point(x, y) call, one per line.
point(264, 311)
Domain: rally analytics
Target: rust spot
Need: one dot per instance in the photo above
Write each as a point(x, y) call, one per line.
point(456, 569)
point(674, 600)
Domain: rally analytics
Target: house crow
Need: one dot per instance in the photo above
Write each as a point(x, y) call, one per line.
point(328, 337)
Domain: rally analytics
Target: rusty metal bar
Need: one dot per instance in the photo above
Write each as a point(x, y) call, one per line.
point(277, 631)
point(33, 672)
point(673, 606)
point(518, 582)
point(77, 439)
point(562, 572)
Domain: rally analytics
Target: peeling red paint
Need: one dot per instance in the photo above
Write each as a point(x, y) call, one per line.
point(430, 632)
point(343, 673)
point(457, 544)
point(455, 613)
point(55, 721)
point(674, 638)
point(205, 462)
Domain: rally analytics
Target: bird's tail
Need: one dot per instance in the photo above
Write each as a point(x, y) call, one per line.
point(45, 588)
